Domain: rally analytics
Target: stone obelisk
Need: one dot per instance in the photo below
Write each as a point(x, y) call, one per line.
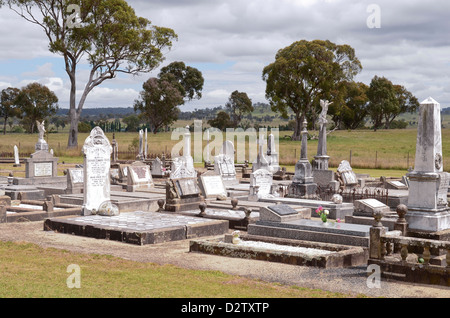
point(428, 183)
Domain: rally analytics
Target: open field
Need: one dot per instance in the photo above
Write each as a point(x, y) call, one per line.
point(365, 149)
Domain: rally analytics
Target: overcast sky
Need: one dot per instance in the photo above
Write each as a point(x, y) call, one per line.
point(230, 42)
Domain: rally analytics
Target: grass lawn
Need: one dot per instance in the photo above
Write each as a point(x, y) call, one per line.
point(29, 271)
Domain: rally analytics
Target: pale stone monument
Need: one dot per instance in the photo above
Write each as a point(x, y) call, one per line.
point(321, 159)
point(224, 164)
point(347, 175)
point(428, 183)
point(16, 157)
point(272, 155)
point(139, 177)
point(41, 144)
point(97, 161)
point(303, 182)
point(75, 181)
point(261, 161)
point(260, 184)
point(212, 185)
point(140, 156)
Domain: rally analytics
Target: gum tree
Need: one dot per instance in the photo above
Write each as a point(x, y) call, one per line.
point(304, 72)
point(107, 34)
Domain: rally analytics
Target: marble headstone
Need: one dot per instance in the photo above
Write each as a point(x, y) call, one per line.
point(139, 177)
point(260, 184)
point(97, 161)
point(212, 185)
point(75, 181)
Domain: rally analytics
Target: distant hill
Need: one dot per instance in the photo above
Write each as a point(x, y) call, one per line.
point(115, 111)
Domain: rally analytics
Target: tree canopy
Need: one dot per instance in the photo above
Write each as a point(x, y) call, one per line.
point(238, 105)
point(106, 33)
point(8, 104)
point(304, 72)
point(36, 102)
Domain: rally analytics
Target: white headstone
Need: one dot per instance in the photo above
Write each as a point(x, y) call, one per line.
point(347, 174)
point(16, 155)
point(212, 185)
point(260, 184)
point(139, 177)
point(97, 161)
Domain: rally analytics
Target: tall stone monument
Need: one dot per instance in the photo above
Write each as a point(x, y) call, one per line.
point(321, 159)
point(97, 161)
point(303, 182)
point(41, 144)
point(272, 155)
point(428, 183)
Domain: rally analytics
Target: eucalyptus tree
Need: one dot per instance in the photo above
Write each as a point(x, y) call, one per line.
point(107, 34)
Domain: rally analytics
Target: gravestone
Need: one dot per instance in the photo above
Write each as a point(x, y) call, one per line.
point(140, 155)
point(272, 155)
point(303, 182)
point(321, 159)
point(260, 184)
point(139, 177)
point(261, 161)
point(282, 213)
point(97, 162)
point(182, 195)
point(346, 175)
point(115, 149)
point(367, 207)
point(41, 143)
point(212, 185)
point(75, 181)
point(395, 184)
point(428, 183)
point(41, 164)
point(224, 164)
point(158, 168)
point(16, 157)
point(183, 167)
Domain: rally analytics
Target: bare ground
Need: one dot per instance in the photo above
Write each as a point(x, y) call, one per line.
point(351, 281)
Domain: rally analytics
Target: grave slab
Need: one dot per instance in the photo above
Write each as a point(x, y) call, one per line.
point(138, 227)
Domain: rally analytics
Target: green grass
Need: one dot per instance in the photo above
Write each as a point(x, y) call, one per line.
point(29, 271)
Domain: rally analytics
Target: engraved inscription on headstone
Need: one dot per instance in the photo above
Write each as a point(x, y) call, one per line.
point(97, 153)
point(187, 187)
point(213, 185)
point(43, 169)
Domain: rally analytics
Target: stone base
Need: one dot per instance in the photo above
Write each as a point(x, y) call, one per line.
point(138, 228)
point(184, 204)
point(301, 190)
point(428, 221)
point(309, 230)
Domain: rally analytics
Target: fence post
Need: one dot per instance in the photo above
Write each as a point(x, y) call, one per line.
point(376, 232)
point(350, 157)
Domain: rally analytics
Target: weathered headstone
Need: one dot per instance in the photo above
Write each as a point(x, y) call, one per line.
point(428, 183)
point(75, 181)
point(224, 164)
point(281, 213)
point(16, 157)
point(158, 168)
point(97, 161)
point(140, 155)
point(272, 155)
point(139, 177)
point(260, 184)
point(261, 161)
point(41, 164)
point(212, 185)
point(347, 176)
point(367, 207)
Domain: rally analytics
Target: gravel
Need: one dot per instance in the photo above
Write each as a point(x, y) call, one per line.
point(344, 280)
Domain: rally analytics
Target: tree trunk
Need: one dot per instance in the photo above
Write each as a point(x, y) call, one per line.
point(73, 132)
point(4, 126)
point(299, 118)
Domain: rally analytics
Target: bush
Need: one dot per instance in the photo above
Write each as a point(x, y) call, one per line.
point(84, 127)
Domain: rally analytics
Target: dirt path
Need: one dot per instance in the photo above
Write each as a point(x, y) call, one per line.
point(353, 281)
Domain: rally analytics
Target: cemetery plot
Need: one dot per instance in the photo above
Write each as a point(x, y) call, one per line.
point(138, 228)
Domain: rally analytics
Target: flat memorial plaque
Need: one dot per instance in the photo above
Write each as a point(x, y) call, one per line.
point(213, 185)
point(282, 209)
